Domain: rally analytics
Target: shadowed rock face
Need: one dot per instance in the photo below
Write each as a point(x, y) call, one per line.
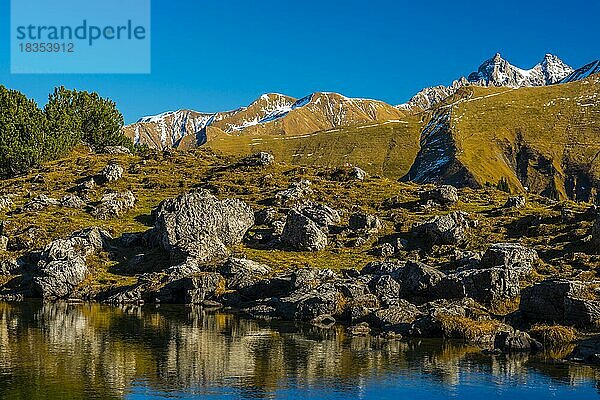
point(199, 225)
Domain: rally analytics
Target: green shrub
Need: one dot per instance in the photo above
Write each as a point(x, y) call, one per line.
point(30, 136)
point(22, 133)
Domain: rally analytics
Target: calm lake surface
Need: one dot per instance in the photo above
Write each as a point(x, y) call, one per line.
point(88, 351)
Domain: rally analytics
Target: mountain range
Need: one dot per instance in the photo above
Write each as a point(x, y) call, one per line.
point(496, 123)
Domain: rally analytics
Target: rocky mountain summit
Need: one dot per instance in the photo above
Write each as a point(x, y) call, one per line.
point(496, 72)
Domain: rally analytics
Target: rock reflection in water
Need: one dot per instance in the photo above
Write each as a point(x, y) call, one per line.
point(89, 350)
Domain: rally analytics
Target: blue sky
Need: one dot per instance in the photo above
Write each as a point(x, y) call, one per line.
point(213, 56)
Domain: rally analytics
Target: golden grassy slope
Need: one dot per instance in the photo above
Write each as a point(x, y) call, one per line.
point(560, 122)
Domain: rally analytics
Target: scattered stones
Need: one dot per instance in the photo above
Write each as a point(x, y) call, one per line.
point(86, 185)
point(113, 205)
point(199, 225)
point(72, 201)
point(111, 172)
point(296, 193)
point(561, 301)
point(261, 159)
point(444, 195)
point(365, 222)
point(302, 233)
point(444, 229)
point(515, 202)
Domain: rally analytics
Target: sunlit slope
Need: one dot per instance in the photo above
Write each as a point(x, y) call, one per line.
point(387, 149)
point(542, 139)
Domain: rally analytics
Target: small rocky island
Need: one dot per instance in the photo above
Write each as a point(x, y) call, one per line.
point(508, 273)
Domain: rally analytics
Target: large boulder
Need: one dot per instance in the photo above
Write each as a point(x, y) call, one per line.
point(444, 195)
point(487, 286)
point(311, 304)
point(397, 318)
point(513, 256)
point(364, 222)
point(111, 172)
point(418, 280)
point(62, 265)
point(320, 213)
point(72, 201)
point(302, 233)
point(113, 205)
point(40, 202)
point(192, 289)
point(561, 301)
point(199, 225)
point(295, 194)
point(392, 268)
point(516, 341)
point(444, 229)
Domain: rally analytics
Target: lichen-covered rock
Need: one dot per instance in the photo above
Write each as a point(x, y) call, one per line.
point(3, 243)
point(265, 216)
point(111, 172)
point(6, 202)
point(40, 202)
point(310, 304)
point(72, 201)
point(444, 229)
point(384, 287)
point(302, 233)
point(487, 286)
point(241, 266)
point(391, 267)
point(320, 213)
point(444, 195)
point(561, 301)
point(397, 318)
point(295, 194)
point(365, 222)
point(113, 205)
point(514, 341)
point(199, 225)
point(62, 264)
point(418, 280)
point(261, 159)
point(513, 256)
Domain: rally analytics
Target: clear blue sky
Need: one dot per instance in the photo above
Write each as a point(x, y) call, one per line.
point(211, 56)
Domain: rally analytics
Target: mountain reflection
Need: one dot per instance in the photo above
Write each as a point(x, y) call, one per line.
point(92, 351)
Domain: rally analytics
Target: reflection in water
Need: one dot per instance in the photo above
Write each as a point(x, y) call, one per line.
point(94, 351)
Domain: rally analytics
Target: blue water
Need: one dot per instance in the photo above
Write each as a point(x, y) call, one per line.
point(60, 351)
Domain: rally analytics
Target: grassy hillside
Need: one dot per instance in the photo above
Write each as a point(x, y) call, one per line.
point(544, 138)
point(385, 149)
point(157, 176)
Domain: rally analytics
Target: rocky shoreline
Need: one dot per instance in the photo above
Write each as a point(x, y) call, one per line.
point(491, 298)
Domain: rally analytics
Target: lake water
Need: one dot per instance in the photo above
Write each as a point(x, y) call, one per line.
point(61, 351)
